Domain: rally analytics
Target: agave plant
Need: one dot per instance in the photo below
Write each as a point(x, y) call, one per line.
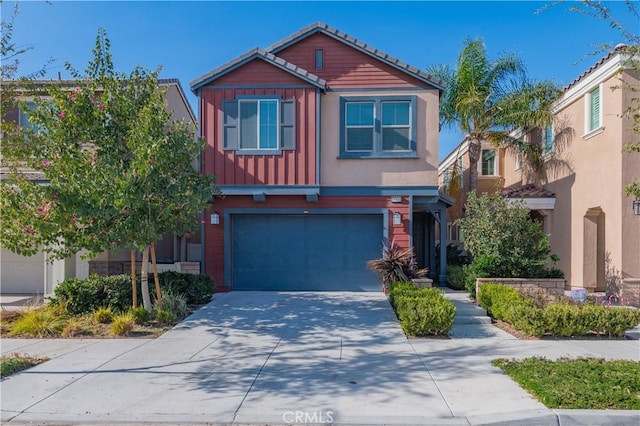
point(396, 264)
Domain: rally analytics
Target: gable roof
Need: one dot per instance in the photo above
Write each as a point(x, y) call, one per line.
point(258, 53)
point(320, 27)
point(620, 48)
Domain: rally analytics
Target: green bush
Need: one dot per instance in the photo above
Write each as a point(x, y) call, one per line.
point(557, 319)
point(562, 319)
point(140, 315)
point(87, 295)
point(164, 316)
point(456, 277)
point(175, 303)
point(39, 322)
point(496, 298)
point(423, 311)
point(79, 296)
point(197, 288)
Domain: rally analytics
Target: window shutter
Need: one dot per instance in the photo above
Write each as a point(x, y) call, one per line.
point(288, 124)
point(230, 124)
point(595, 109)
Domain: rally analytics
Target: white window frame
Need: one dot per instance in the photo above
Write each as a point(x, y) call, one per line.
point(258, 102)
point(495, 163)
point(588, 119)
point(547, 151)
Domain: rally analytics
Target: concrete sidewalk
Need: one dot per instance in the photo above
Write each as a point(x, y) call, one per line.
point(285, 358)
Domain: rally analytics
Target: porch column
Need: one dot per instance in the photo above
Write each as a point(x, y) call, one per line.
point(442, 279)
point(431, 244)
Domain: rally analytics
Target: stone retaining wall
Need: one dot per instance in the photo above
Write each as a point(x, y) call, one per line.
point(551, 285)
point(630, 291)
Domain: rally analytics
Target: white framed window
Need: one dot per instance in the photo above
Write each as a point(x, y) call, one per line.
point(593, 119)
point(547, 140)
point(447, 179)
point(460, 171)
point(259, 124)
point(488, 162)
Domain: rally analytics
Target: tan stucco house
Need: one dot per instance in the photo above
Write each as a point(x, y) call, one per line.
point(580, 196)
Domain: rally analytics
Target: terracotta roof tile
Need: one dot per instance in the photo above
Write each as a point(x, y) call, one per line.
point(527, 191)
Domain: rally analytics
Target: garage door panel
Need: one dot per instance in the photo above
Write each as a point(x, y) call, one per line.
point(21, 274)
point(305, 252)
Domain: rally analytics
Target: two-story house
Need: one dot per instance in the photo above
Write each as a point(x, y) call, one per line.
point(579, 197)
point(323, 146)
point(36, 274)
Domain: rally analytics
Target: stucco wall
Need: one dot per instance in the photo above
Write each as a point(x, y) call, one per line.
point(422, 171)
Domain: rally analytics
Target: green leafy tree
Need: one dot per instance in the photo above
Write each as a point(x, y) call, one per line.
point(118, 167)
point(503, 237)
point(488, 99)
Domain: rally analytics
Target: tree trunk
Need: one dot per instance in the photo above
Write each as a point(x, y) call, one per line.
point(156, 280)
point(144, 278)
point(134, 286)
point(474, 157)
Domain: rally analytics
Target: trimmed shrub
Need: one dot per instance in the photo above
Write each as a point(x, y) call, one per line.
point(496, 298)
point(456, 277)
point(562, 319)
point(527, 318)
point(424, 311)
point(619, 320)
point(79, 296)
point(117, 291)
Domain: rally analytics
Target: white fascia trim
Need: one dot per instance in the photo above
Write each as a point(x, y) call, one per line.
point(453, 156)
point(602, 73)
point(536, 203)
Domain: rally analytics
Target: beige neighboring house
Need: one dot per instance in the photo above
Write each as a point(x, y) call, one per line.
point(36, 275)
point(580, 196)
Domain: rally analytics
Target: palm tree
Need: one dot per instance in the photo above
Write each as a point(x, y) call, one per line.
point(488, 100)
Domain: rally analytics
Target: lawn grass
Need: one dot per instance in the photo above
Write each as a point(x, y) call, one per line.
point(583, 383)
point(10, 364)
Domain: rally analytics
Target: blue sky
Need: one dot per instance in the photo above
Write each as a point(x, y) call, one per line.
point(190, 38)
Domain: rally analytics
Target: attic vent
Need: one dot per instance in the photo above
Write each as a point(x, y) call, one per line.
point(319, 59)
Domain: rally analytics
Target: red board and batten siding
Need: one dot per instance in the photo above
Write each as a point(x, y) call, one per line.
point(344, 66)
point(295, 167)
point(214, 234)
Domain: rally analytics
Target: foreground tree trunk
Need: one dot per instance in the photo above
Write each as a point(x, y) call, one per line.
point(156, 279)
point(144, 278)
point(134, 286)
point(474, 157)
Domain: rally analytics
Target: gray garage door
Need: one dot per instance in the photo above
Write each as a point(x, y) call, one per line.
point(305, 252)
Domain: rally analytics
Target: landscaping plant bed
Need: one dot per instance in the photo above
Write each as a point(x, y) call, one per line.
point(583, 383)
point(505, 326)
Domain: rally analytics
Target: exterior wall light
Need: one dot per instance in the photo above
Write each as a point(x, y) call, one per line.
point(397, 218)
point(215, 218)
point(636, 207)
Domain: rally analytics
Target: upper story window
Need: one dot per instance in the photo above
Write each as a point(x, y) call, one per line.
point(593, 111)
point(319, 59)
point(488, 160)
point(547, 140)
point(258, 125)
point(378, 127)
point(23, 117)
point(447, 179)
point(460, 170)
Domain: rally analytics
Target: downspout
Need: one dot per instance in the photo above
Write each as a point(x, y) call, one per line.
point(318, 134)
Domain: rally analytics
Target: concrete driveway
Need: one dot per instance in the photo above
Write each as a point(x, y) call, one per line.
point(260, 357)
